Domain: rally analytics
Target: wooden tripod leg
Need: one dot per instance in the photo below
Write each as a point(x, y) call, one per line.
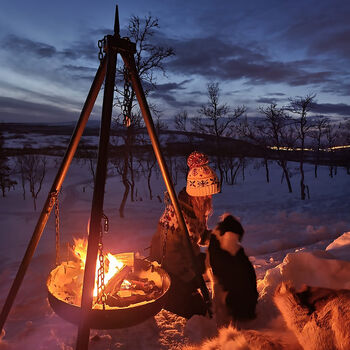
point(136, 83)
point(97, 199)
point(56, 186)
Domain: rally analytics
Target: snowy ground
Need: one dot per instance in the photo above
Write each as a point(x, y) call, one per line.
point(277, 223)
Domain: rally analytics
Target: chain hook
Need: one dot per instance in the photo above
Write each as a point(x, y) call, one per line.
point(102, 48)
point(105, 223)
point(127, 100)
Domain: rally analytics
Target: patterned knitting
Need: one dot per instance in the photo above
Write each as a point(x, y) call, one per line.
point(201, 178)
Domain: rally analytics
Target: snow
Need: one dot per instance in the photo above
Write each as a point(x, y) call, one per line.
point(36, 141)
point(306, 242)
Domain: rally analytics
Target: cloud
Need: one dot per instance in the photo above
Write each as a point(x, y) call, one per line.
point(102, 31)
point(320, 34)
point(332, 108)
point(168, 93)
point(35, 96)
point(340, 87)
point(336, 43)
point(85, 49)
point(213, 58)
point(276, 94)
point(236, 46)
point(69, 68)
point(18, 110)
point(205, 56)
point(19, 45)
point(81, 69)
point(170, 87)
point(29, 48)
point(267, 100)
point(78, 72)
point(320, 108)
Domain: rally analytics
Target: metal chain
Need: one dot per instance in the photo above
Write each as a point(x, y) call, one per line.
point(57, 226)
point(166, 226)
point(101, 45)
point(126, 116)
point(54, 202)
point(53, 196)
point(164, 244)
point(101, 295)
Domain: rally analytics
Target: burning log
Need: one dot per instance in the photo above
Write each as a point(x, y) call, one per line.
point(116, 281)
point(139, 290)
point(115, 300)
point(144, 285)
point(134, 298)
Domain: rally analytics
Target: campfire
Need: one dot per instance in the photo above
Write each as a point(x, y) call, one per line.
point(127, 283)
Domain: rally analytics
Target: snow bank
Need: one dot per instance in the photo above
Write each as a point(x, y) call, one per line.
point(319, 268)
point(340, 247)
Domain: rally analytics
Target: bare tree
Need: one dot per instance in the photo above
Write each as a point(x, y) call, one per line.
point(147, 166)
point(332, 132)
point(181, 121)
point(216, 118)
point(34, 170)
point(317, 133)
point(301, 106)
point(346, 132)
point(5, 177)
point(159, 124)
point(5, 172)
point(231, 167)
point(273, 132)
point(149, 59)
point(277, 132)
point(21, 169)
point(251, 132)
point(345, 135)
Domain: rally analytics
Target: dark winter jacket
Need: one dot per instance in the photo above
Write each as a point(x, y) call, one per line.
point(169, 246)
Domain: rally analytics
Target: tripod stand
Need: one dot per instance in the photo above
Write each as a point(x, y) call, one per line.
point(114, 45)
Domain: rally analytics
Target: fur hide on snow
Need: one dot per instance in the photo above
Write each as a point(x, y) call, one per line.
point(319, 317)
point(233, 275)
point(232, 339)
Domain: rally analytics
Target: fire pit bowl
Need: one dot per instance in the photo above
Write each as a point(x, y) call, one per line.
point(112, 317)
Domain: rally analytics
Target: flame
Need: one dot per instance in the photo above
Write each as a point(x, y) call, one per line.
point(112, 264)
point(126, 285)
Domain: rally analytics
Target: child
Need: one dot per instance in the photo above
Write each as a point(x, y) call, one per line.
point(168, 245)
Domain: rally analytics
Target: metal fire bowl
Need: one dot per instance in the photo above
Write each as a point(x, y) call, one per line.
point(115, 318)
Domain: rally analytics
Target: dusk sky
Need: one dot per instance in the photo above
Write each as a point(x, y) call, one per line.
point(260, 51)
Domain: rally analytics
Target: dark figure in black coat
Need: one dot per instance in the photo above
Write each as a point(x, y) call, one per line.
point(234, 279)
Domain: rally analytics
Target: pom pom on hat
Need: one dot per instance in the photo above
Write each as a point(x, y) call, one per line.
point(196, 159)
point(201, 178)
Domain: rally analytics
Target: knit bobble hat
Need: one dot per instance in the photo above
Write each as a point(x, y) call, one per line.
point(201, 178)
